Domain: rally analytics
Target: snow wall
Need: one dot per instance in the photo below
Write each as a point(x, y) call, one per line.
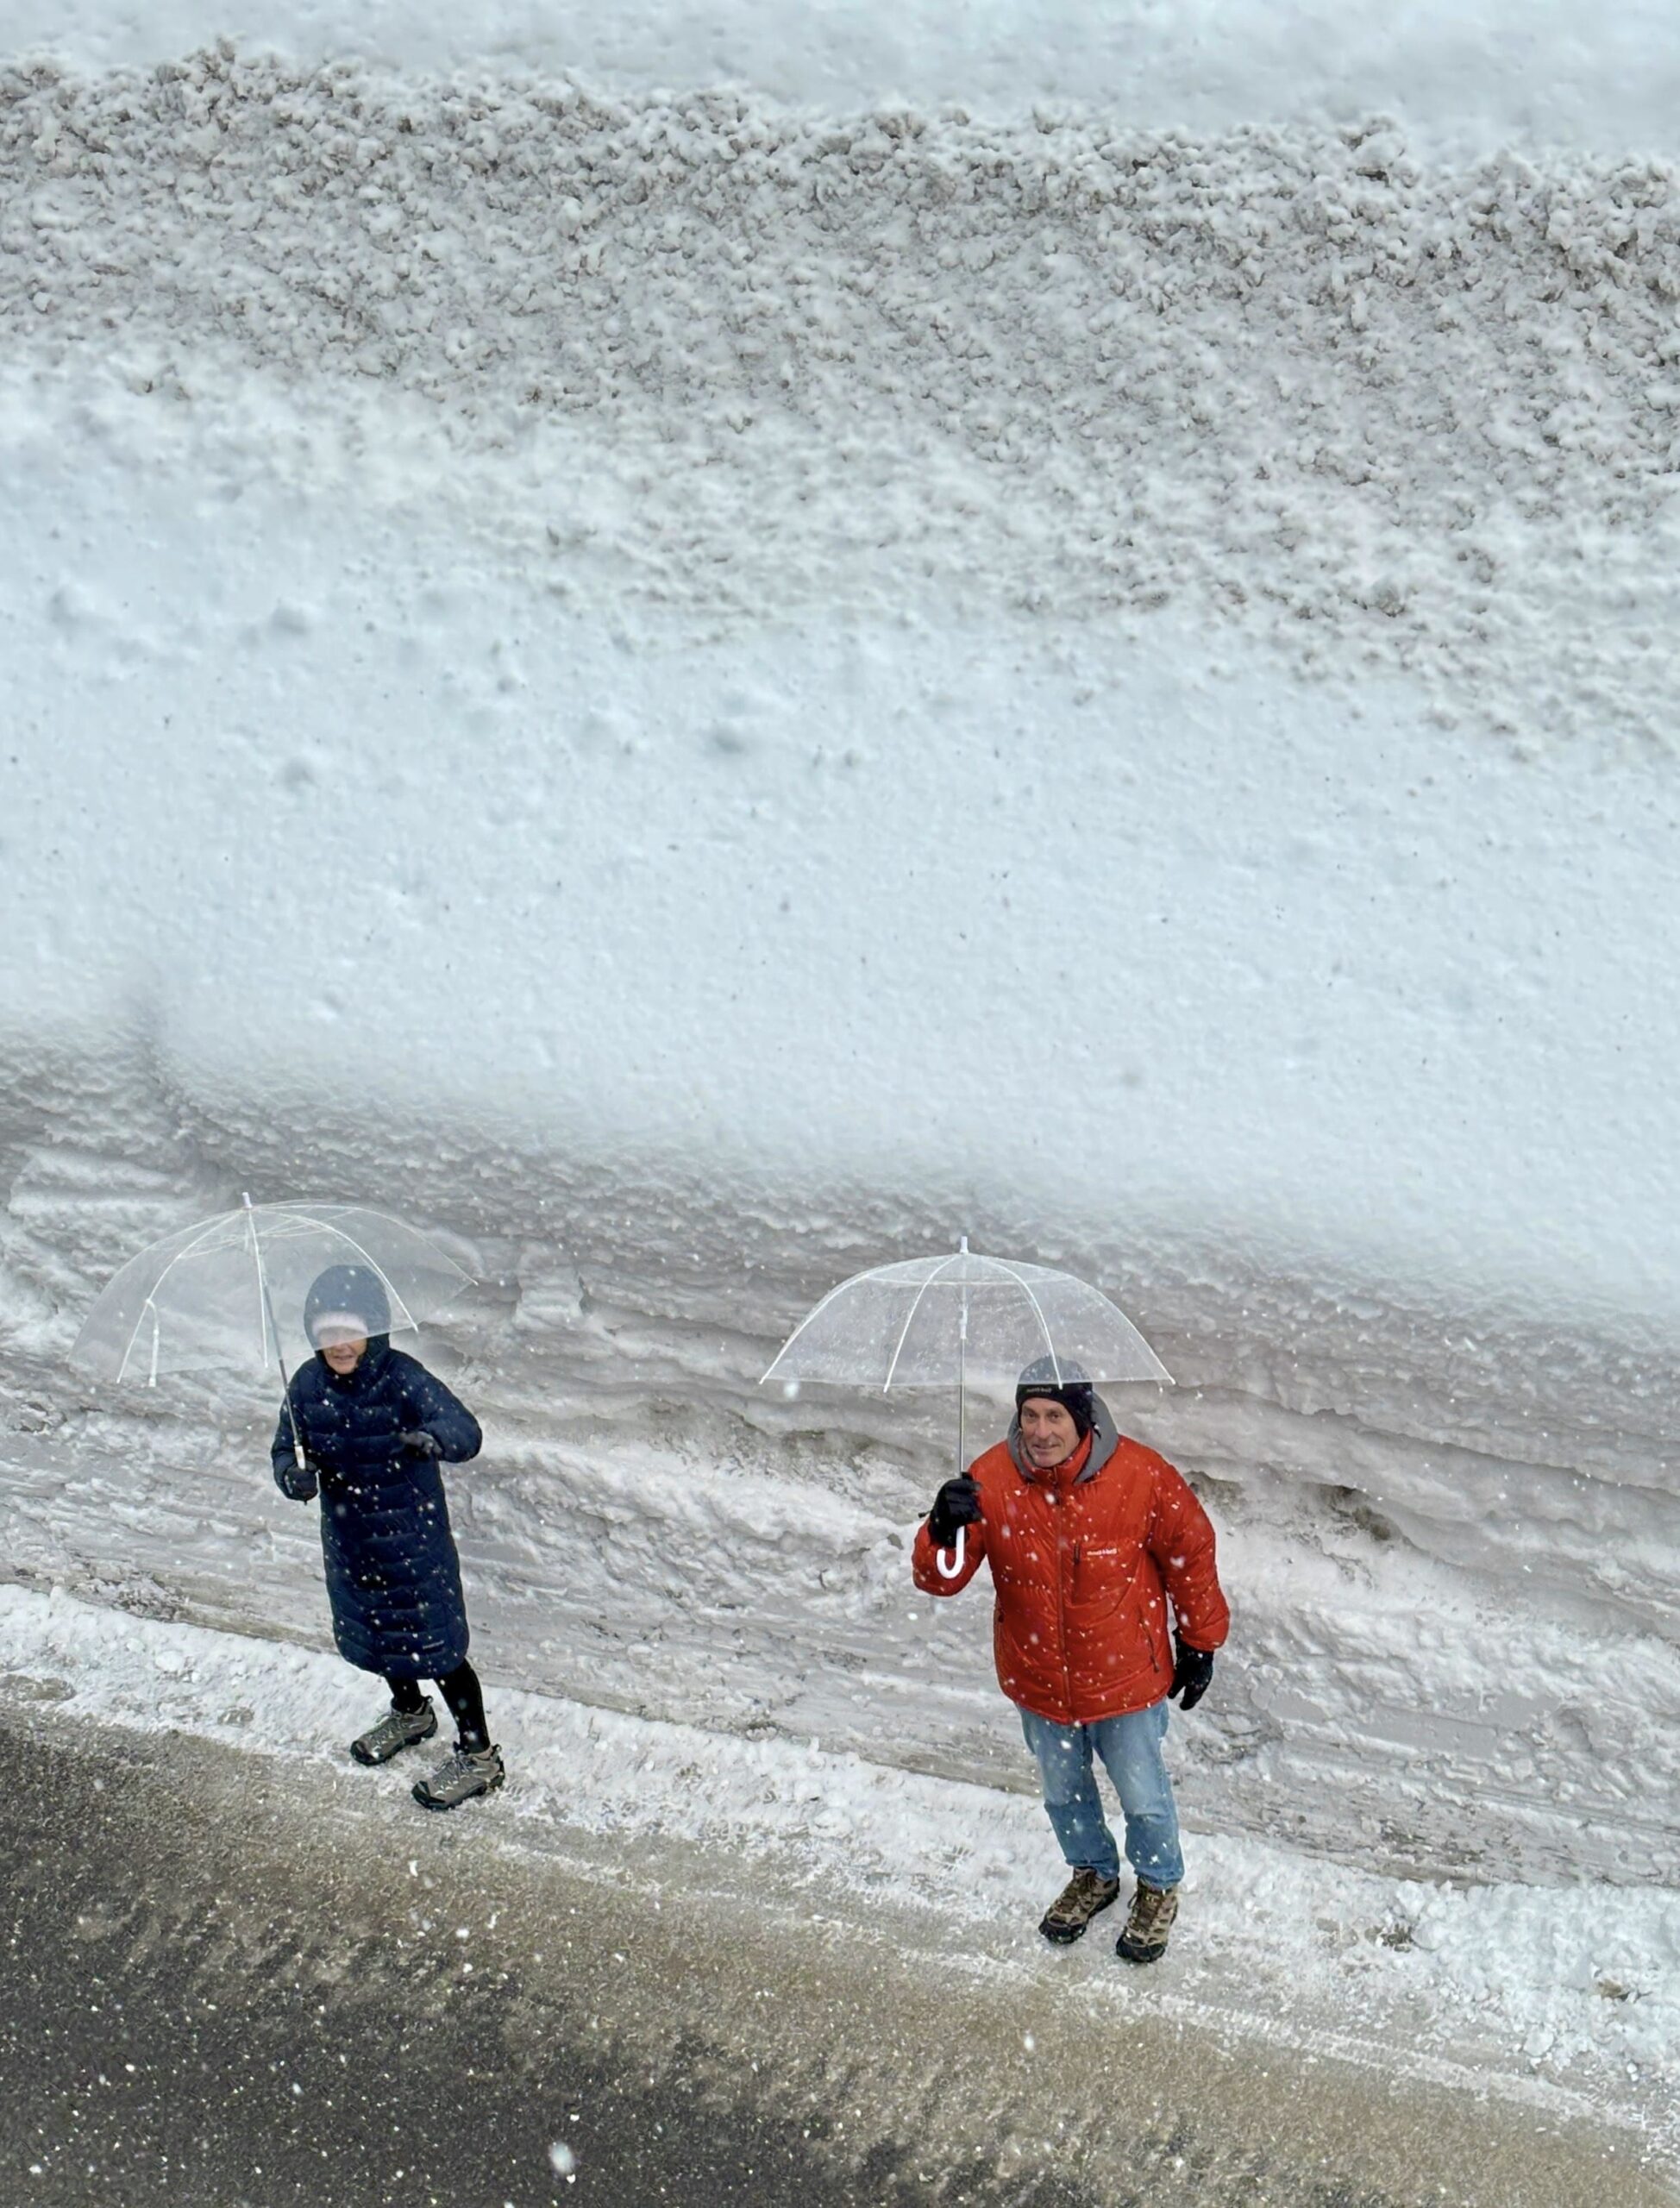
point(700, 687)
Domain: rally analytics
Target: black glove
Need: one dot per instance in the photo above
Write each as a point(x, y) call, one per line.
point(295, 1478)
point(957, 1503)
point(419, 1443)
point(1193, 1673)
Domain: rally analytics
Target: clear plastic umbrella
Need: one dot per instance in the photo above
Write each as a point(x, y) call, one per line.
point(963, 1320)
point(230, 1292)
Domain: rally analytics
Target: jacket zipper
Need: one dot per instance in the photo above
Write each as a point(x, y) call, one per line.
point(1059, 1505)
point(1058, 1502)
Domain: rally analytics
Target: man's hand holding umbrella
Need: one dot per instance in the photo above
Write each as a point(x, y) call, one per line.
point(956, 1505)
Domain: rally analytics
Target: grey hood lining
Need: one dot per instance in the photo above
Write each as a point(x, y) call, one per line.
point(1104, 1440)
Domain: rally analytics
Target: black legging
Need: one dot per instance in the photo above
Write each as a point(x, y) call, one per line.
point(465, 1696)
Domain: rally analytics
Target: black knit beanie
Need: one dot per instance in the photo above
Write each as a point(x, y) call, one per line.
point(1072, 1391)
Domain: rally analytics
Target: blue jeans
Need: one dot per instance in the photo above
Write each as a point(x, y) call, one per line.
point(1131, 1750)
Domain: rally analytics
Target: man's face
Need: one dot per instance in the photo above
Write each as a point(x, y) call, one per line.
point(1048, 1435)
point(344, 1356)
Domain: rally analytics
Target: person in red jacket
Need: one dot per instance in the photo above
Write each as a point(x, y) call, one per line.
point(1090, 1537)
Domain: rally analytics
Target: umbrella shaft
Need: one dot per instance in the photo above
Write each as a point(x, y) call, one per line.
point(963, 1383)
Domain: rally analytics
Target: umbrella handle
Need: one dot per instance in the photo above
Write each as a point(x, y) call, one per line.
point(952, 1571)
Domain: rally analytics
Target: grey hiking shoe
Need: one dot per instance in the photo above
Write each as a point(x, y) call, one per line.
point(1150, 1920)
point(397, 1730)
point(463, 1773)
point(1085, 1896)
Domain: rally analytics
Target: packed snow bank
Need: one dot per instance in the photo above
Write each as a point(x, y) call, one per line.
point(682, 962)
point(698, 695)
point(1450, 1556)
point(1473, 75)
point(1300, 385)
point(1030, 929)
point(1567, 2000)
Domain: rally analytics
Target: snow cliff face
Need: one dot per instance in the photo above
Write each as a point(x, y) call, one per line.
point(698, 694)
point(1384, 415)
point(1467, 76)
point(1454, 1651)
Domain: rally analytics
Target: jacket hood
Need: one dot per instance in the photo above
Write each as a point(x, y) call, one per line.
point(356, 1290)
point(1104, 1440)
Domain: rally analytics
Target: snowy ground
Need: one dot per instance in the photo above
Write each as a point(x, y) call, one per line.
point(1560, 2005)
point(686, 2019)
point(699, 687)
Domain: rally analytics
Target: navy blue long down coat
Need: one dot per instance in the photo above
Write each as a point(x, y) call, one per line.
point(393, 1576)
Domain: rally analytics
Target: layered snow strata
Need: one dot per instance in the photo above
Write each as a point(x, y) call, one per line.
point(700, 694)
point(1470, 77)
point(1454, 1611)
point(1301, 383)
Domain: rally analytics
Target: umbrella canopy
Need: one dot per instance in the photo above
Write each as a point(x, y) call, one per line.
point(963, 1320)
point(230, 1291)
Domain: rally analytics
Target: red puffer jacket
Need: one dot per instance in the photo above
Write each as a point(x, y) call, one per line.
point(1085, 1559)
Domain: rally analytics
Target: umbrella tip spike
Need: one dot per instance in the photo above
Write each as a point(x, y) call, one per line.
point(963, 1245)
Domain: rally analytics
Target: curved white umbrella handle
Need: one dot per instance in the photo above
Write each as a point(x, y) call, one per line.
point(950, 1570)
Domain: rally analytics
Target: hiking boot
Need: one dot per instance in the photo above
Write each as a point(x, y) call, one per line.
point(463, 1773)
point(1144, 1939)
point(1086, 1895)
point(397, 1730)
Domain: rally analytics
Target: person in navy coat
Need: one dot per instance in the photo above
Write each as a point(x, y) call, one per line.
point(368, 1429)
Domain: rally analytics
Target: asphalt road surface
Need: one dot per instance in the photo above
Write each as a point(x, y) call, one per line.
point(235, 1982)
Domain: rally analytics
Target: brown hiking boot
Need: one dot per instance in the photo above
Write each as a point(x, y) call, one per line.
point(1085, 1896)
point(1144, 1939)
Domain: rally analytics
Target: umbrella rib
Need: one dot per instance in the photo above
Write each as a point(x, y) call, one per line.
point(190, 1249)
point(1056, 1362)
point(326, 1227)
point(909, 1318)
point(809, 1317)
point(266, 1326)
point(279, 1220)
point(198, 1234)
point(133, 1336)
